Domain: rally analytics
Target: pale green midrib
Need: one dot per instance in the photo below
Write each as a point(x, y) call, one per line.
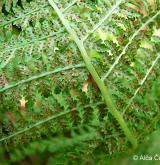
point(33, 41)
point(99, 82)
point(22, 16)
point(19, 46)
point(142, 82)
point(35, 77)
point(103, 19)
point(34, 11)
point(127, 45)
point(45, 121)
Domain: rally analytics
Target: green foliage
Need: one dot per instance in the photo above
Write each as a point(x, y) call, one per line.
point(40, 62)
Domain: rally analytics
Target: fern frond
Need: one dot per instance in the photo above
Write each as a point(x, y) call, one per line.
point(95, 76)
point(12, 85)
point(142, 82)
point(43, 121)
point(63, 71)
point(108, 14)
point(127, 45)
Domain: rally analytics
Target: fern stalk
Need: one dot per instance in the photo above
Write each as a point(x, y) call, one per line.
point(104, 90)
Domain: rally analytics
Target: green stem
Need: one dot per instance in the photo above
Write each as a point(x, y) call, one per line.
point(104, 90)
point(41, 122)
point(35, 77)
point(32, 12)
point(129, 43)
point(142, 82)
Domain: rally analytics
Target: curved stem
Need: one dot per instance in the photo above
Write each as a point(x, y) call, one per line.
point(104, 90)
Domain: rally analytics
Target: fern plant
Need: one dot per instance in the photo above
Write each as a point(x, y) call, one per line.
point(77, 71)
